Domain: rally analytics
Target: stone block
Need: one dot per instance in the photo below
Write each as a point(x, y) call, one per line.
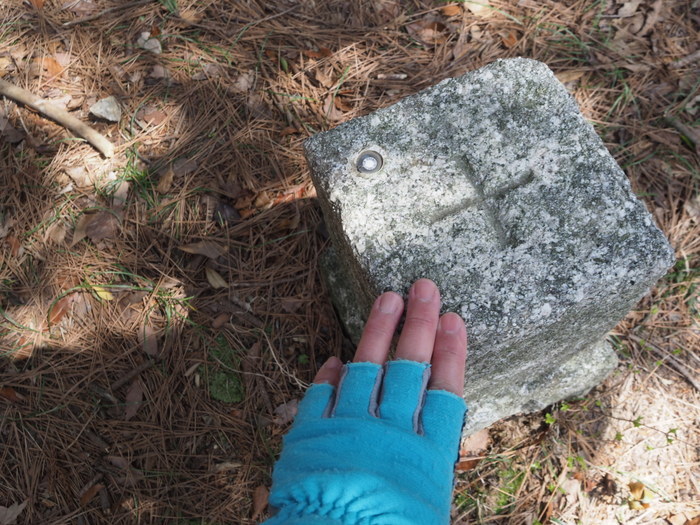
point(494, 186)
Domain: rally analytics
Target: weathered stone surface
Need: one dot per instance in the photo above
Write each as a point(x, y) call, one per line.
point(494, 186)
point(107, 108)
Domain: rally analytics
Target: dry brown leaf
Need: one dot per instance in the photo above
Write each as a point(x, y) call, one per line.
point(322, 52)
point(465, 465)
point(38, 4)
point(14, 245)
point(262, 200)
point(245, 200)
point(472, 449)
point(120, 194)
point(480, 8)
point(330, 111)
point(462, 47)
point(9, 515)
point(260, 495)
point(52, 66)
point(207, 248)
point(341, 104)
point(90, 493)
point(476, 443)
point(80, 175)
point(5, 64)
point(289, 130)
point(636, 489)
point(388, 10)
point(510, 40)
point(184, 166)
point(160, 72)
point(80, 230)
point(80, 7)
point(291, 304)
point(48, 64)
point(64, 59)
point(166, 180)
point(677, 519)
point(102, 225)
point(692, 208)
point(9, 133)
point(11, 394)
point(60, 308)
point(640, 496)
point(569, 76)
point(190, 16)
point(220, 320)
point(291, 194)
point(629, 8)
point(148, 337)
point(151, 115)
point(256, 105)
point(215, 279)
point(652, 17)
point(134, 397)
point(451, 10)
point(428, 32)
point(324, 78)
point(244, 82)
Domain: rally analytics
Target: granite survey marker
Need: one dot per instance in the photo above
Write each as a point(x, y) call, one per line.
point(494, 186)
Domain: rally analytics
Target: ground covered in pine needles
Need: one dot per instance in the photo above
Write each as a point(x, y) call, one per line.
point(162, 310)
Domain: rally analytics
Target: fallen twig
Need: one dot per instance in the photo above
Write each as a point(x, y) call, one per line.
point(61, 116)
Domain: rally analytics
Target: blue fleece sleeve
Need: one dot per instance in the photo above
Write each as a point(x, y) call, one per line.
point(378, 451)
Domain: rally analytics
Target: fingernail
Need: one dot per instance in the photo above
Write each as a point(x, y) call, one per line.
point(424, 291)
point(333, 363)
point(389, 303)
point(450, 324)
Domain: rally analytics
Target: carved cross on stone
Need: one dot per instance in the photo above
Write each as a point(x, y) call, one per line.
point(488, 201)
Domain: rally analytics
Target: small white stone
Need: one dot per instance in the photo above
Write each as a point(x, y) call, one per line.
point(107, 108)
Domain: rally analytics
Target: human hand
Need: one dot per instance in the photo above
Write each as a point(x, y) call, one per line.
point(426, 337)
point(369, 445)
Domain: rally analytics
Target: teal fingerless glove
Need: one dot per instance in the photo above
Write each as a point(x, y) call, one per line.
point(379, 451)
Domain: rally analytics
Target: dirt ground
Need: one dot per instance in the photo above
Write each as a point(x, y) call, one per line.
point(162, 309)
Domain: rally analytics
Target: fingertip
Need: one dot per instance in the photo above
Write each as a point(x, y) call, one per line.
point(449, 355)
point(389, 303)
point(424, 290)
point(379, 330)
point(329, 372)
point(452, 324)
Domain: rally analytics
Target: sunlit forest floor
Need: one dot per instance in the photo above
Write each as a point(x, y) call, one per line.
point(162, 310)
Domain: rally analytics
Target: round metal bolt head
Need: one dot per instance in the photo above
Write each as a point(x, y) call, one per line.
point(369, 162)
